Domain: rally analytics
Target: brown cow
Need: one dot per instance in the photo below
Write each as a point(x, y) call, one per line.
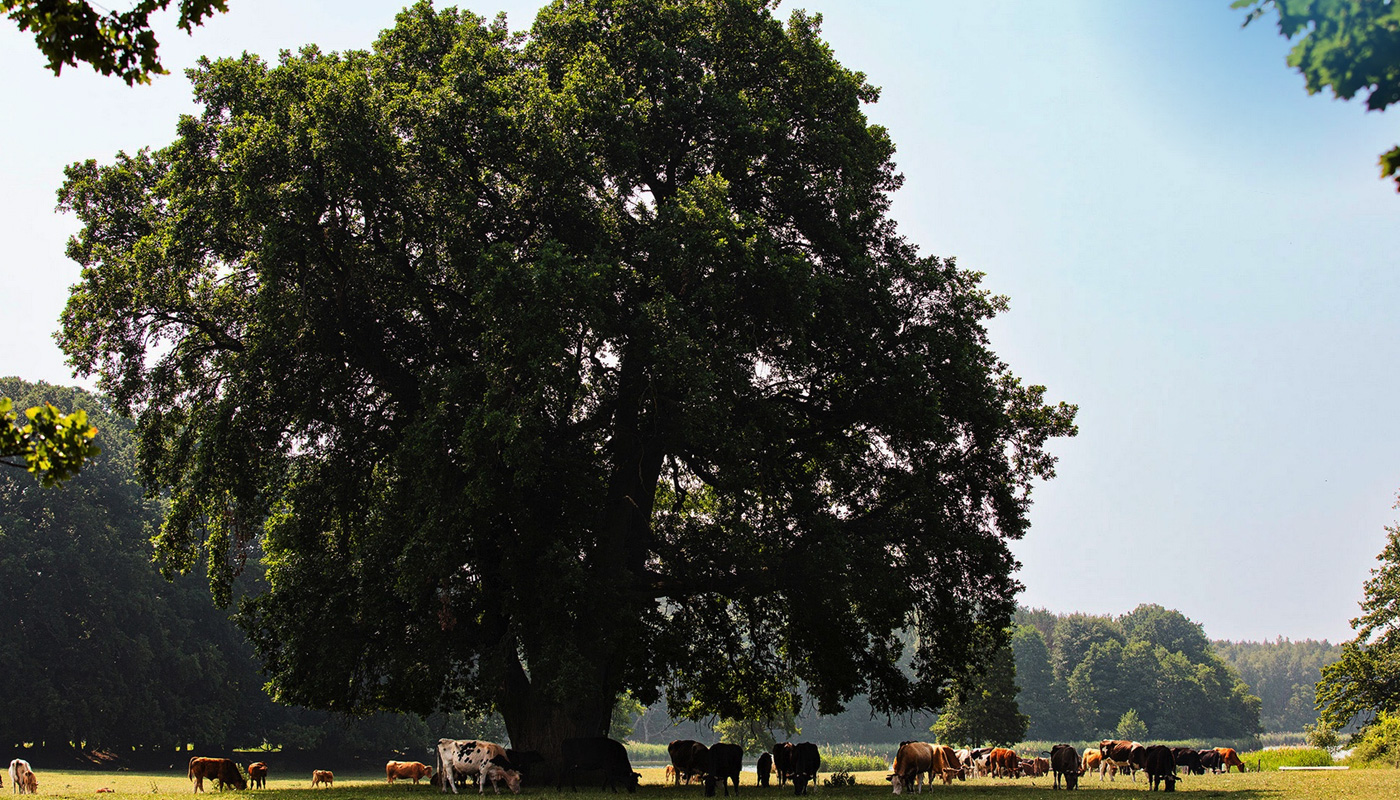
point(31, 783)
point(215, 769)
point(322, 777)
point(407, 770)
point(1122, 754)
point(257, 773)
point(911, 761)
point(1229, 758)
point(1090, 761)
point(947, 764)
point(1035, 767)
point(1003, 763)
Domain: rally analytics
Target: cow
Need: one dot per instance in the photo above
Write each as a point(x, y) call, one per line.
point(215, 769)
point(911, 761)
point(1035, 767)
point(1003, 763)
point(782, 762)
point(322, 777)
point(31, 783)
point(1160, 766)
point(978, 759)
point(597, 753)
point(1064, 761)
point(947, 765)
point(522, 759)
point(483, 760)
point(806, 764)
point(19, 776)
point(688, 758)
point(257, 774)
point(726, 762)
point(1229, 758)
point(1090, 761)
point(1122, 754)
point(765, 768)
point(403, 770)
point(1188, 759)
point(1210, 759)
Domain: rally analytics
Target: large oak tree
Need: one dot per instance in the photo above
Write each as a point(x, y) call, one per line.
point(540, 368)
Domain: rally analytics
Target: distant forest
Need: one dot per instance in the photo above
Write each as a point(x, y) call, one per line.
point(110, 655)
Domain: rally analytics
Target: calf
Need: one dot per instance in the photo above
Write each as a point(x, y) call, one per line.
point(726, 762)
point(765, 768)
point(403, 770)
point(257, 774)
point(322, 777)
point(806, 764)
point(1160, 766)
point(1064, 761)
point(597, 753)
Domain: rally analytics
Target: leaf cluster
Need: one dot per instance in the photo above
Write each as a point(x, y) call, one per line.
point(119, 43)
point(51, 445)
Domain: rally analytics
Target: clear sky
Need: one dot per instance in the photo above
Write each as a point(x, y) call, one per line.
point(1197, 253)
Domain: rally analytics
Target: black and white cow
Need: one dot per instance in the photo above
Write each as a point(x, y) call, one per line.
point(460, 758)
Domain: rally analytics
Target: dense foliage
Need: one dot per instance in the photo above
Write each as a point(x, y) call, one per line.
point(1348, 46)
point(113, 42)
point(1365, 681)
point(1080, 674)
point(112, 656)
point(543, 368)
point(1284, 675)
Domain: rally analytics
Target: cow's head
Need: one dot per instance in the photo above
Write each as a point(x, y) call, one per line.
point(897, 782)
point(511, 777)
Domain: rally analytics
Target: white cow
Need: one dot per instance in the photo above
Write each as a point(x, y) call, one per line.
point(472, 758)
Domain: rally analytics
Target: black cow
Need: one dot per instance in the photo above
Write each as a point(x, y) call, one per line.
point(782, 762)
point(597, 753)
point(765, 768)
point(1188, 759)
point(1160, 766)
point(1211, 760)
point(688, 757)
point(1064, 760)
point(522, 759)
point(726, 762)
point(806, 763)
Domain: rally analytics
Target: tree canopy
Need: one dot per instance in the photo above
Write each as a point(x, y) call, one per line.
point(539, 368)
point(1365, 681)
point(1348, 46)
point(119, 43)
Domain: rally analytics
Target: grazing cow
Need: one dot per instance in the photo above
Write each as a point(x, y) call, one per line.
point(31, 783)
point(947, 764)
point(1122, 754)
point(1090, 761)
point(482, 760)
point(806, 764)
point(257, 774)
point(597, 753)
point(521, 760)
point(1229, 758)
point(1064, 760)
point(215, 769)
point(1003, 763)
point(1035, 767)
point(402, 770)
point(1160, 766)
point(765, 768)
point(19, 776)
point(911, 762)
point(1211, 760)
point(322, 777)
point(726, 762)
point(689, 758)
point(1188, 759)
point(782, 762)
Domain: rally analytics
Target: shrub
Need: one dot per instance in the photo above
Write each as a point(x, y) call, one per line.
point(854, 762)
point(1378, 742)
point(840, 778)
point(1271, 760)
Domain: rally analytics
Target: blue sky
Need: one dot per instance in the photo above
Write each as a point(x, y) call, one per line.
point(1196, 252)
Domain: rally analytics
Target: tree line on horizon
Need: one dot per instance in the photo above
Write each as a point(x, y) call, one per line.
point(119, 657)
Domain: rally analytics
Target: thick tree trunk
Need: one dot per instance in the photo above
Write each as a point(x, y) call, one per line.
point(540, 724)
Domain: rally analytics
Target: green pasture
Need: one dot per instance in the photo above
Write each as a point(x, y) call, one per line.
point(1363, 784)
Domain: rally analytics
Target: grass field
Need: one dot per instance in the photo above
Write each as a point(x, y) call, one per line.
point(1367, 784)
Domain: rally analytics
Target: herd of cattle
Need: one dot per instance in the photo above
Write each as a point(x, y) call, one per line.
point(1158, 762)
point(719, 765)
